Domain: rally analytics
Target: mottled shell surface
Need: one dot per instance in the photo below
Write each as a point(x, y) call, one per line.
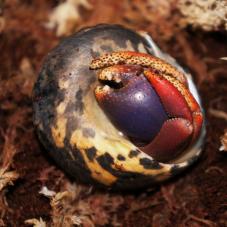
point(74, 129)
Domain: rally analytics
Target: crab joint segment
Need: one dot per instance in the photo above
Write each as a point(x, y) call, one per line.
point(177, 100)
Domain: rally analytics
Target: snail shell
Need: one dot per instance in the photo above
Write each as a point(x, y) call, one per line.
point(74, 128)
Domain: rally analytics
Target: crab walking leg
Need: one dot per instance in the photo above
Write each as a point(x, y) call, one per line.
point(177, 100)
point(134, 58)
point(174, 136)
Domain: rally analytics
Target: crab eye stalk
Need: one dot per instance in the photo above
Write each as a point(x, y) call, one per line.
point(149, 102)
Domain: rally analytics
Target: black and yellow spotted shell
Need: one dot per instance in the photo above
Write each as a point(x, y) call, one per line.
point(74, 129)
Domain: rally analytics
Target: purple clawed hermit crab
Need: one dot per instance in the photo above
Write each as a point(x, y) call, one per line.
point(114, 110)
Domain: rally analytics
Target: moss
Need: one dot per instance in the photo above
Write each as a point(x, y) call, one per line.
point(209, 15)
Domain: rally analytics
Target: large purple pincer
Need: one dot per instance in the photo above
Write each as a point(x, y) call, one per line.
point(131, 103)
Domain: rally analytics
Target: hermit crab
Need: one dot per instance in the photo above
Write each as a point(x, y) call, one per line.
point(113, 109)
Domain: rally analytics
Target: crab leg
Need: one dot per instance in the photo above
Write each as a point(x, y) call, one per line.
point(134, 58)
point(174, 135)
point(177, 100)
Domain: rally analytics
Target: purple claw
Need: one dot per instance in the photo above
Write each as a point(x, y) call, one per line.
point(131, 103)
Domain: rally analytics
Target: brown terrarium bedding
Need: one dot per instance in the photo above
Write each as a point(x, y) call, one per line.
point(34, 190)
